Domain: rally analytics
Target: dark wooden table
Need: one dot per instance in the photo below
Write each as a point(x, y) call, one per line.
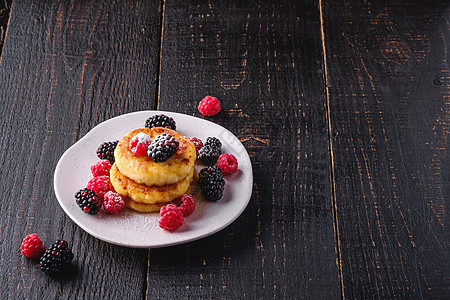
point(343, 107)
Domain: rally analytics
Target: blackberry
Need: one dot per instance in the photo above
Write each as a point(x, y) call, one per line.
point(88, 201)
point(160, 121)
point(56, 257)
point(208, 155)
point(106, 151)
point(163, 147)
point(214, 142)
point(211, 183)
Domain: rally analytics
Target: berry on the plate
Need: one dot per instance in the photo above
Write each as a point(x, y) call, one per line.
point(187, 205)
point(171, 217)
point(211, 183)
point(163, 147)
point(197, 143)
point(139, 144)
point(106, 151)
point(56, 257)
point(100, 185)
point(32, 246)
point(88, 201)
point(101, 168)
point(160, 121)
point(209, 106)
point(227, 163)
point(113, 202)
point(208, 155)
point(213, 142)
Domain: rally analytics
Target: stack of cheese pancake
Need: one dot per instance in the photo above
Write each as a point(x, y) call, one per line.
point(149, 185)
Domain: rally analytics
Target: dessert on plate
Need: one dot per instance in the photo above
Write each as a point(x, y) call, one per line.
point(151, 182)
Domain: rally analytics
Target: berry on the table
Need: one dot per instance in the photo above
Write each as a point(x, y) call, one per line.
point(163, 147)
point(139, 144)
point(211, 183)
point(103, 167)
point(208, 155)
point(32, 246)
point(161, 121)
point(214, 142)
point(209, 106)
point(171, 217)
point(113, 202)
point(227, 163)
point(56, 257)
point(187, 205)
point(106, 151)
point(197, 143)
point(88, 201)
point(100, 185)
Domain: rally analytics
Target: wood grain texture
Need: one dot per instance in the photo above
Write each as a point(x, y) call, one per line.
point(67, 66)
point(264, 62)
point(388, 83)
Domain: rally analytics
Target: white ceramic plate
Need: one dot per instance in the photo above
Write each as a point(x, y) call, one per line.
point(141, 230)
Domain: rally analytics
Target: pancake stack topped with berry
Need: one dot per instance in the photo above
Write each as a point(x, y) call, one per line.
point(153, 166)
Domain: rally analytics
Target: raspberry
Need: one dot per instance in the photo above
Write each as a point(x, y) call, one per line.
point(101, 168)
point(187, 205)
point(139, 144)
point(211, 183)
point(113, 202)
point(227, 163)
point(106, 151)
point(56, 257)
point(197, 143)
point(88, 201)
point(160, 121)
point(163, 147)
point(100, 185)
point(171, 217)
point(209, 106)
point(32, 246)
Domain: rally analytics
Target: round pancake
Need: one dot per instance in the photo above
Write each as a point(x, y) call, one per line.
point(141, 207)
point(149, 194)
point(143, 169)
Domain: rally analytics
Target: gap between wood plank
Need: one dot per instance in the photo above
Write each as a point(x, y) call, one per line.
point(159, 51)
point(328, 118)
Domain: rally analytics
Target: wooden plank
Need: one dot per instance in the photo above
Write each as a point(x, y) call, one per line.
point(264, 62)
point(67, 66)
point(388, 83)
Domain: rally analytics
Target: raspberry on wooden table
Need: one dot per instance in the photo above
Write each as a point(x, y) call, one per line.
point(209, 106)
point(32, 246)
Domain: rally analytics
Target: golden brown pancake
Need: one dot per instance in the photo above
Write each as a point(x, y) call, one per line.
point(149, 194)
point(144, 170)
point(141, 207)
